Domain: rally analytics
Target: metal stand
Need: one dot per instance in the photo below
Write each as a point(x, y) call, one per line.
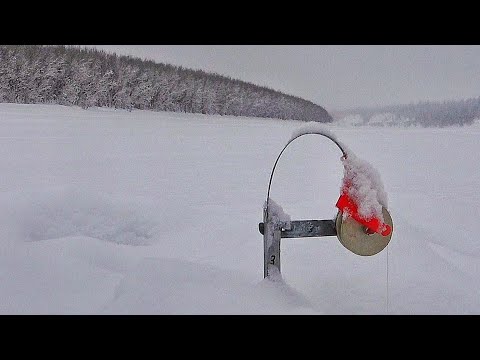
point(274, 232)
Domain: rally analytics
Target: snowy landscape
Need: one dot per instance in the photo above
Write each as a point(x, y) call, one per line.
point(108, 211)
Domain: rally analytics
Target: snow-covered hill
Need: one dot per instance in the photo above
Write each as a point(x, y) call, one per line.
point(108, 211)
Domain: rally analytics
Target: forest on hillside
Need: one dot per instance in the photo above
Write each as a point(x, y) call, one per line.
point(74, 76)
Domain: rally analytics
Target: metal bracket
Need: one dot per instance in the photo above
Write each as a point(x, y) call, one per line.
point(306, 228)
point(274, 232)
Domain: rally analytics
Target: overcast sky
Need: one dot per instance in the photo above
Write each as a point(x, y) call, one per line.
point(336, 77)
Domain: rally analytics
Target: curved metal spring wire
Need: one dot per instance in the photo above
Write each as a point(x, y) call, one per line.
point(281, 152)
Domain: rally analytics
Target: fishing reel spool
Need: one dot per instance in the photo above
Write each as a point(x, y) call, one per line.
point(358, 238)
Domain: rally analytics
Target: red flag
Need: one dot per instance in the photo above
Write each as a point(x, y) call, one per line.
point(347, 205)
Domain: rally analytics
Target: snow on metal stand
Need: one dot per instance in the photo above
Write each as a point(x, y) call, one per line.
point(362, 225)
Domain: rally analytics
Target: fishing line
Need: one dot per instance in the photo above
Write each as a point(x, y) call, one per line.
point(387, 283)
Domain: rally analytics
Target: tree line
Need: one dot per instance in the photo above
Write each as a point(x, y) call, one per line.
point(425, 113)
point(85, 77)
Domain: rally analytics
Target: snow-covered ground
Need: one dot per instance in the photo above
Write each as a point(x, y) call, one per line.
point(113, 212)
